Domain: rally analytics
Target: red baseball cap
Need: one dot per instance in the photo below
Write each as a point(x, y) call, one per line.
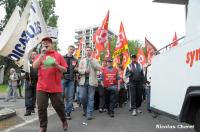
point(47, 39)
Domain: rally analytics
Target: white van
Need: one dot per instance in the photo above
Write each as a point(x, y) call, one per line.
point(175, 73)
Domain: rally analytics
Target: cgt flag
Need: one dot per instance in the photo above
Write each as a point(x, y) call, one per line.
point(107, 55)
point(29, 32)
point(96, 53)
point(100, 37)
point(78, 50)
point(141, 57)
point(174, 41)
point(116, 61)
point(150, 50)
point(122, 42)
point(126, 59)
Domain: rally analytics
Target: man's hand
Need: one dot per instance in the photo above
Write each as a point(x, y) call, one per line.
point(87, 71)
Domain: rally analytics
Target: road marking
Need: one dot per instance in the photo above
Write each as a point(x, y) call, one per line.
point(25, 123)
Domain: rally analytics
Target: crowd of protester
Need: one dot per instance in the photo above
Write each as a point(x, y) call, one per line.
point(66, 79)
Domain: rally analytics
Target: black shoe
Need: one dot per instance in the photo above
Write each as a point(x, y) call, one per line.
point(84, 114)
point(68, 116)
point(28, 113)
point(65, 125)
point(32, 111)
point(111, 114)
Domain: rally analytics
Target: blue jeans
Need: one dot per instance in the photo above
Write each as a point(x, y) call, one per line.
point(86, 96)
point(68, 89)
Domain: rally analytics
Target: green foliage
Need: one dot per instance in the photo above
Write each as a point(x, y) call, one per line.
point(3, 88)
point(133, 46)
point(53, 20)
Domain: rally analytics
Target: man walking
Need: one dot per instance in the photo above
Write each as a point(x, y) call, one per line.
point(50, 65)
point(134, 72)
point(111, 82)
point(30, 87)
point(88, 68)
point(69, 79)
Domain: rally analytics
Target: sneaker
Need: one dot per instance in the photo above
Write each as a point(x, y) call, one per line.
point(33, 111)
point(68, 116)
point(154, 115)
point(101, 110)
point(139, 111)
point(89, 117)
point(28, 113)
point(104, 110)
point(134, 113)
point(111, 114)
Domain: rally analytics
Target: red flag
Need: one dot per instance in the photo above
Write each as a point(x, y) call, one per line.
point(122, 42)
point(150, 49)
point(174, 41)
point(96, 53)
point(116, 61)
point(126, 59)
point(107, 55)
point(78, 50)
point(100, 37)
point(141, 57)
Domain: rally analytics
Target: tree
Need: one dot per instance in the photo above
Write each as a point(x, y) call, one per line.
point(133, 46)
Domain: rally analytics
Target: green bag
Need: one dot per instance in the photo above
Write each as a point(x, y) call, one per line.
point(49, 61)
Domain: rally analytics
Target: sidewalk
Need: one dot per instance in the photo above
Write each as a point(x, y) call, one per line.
point(4, 111)
point(14, 113)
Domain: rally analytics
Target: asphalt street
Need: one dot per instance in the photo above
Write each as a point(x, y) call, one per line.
point(122, 122)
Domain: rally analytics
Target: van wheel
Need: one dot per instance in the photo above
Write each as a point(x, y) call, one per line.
point(197, 121)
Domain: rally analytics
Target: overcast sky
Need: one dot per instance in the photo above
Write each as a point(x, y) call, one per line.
point(141, 18)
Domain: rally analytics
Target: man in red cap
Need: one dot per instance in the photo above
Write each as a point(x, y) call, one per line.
point(50, 65)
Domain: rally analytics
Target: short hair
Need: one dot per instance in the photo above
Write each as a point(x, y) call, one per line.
point(71, 46)
point(88, 47)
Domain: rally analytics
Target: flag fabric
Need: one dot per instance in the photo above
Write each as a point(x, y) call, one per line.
point(122, 42)
point(150, 50)
point(96, 53)
point(174, 41)
point(100, 37)
point(126, 59)
point(9, 29)
point(116, 61)
point(141, 57)
point(29, 32)
point(78, 50)
point(107, 55)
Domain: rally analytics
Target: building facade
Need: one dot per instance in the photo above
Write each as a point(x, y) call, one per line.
point(85, 37)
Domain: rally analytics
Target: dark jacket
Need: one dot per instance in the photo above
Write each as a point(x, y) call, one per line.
point(72, 62)
point(135, 74)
